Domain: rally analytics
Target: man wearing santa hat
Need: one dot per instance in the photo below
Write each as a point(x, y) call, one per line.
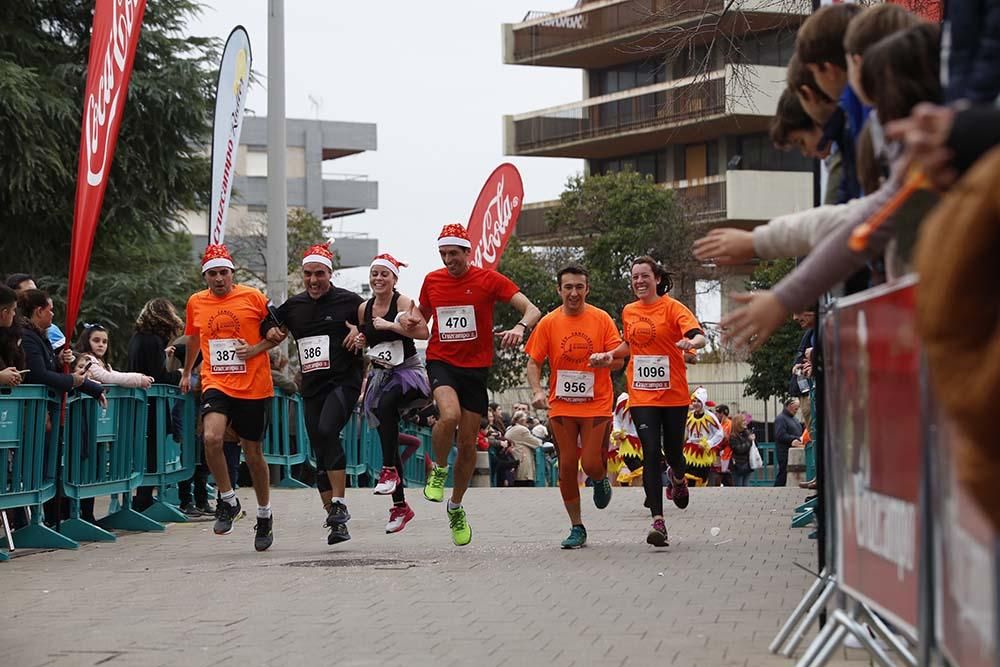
point(224, 322)
point(323, 320)
point(460, 299)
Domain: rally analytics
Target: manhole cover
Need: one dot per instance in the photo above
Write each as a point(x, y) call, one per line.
point(390, 563)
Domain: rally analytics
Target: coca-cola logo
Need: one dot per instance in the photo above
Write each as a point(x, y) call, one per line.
point(494, 216)
point(101, 105)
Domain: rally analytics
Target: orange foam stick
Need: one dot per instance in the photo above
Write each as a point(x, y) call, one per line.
point(860, 237)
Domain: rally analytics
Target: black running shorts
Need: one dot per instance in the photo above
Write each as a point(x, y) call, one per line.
point(247, 416)
point(468, 383)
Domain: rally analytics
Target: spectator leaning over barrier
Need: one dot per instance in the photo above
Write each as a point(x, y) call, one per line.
point(11, 355)
point(787, 434)
point(93, 347)
point(21, 282)
point(740, 440)
point(148, 352)
point(35, 307)
point(525, 445)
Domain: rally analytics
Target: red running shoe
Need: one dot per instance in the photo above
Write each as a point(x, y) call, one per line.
point(388, 480)
point(677, 491)
point(399, 516)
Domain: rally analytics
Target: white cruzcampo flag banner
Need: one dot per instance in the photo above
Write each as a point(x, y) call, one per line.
point(230, 100)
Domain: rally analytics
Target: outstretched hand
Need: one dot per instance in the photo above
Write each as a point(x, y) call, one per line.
point(725, 246)
point(410, 319)
point(749, 327)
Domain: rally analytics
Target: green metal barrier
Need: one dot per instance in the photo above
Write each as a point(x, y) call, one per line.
point(765, 475)
point(810, 461)
point(175, 461)
point(105, 455)
point(28, 461)
point(277, 442)
point(415, 469)
point(546, 469)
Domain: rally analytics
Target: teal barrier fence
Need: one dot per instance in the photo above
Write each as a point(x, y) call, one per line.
point(175, 446)
point(415, 468)
point(284, 443)
point(105, 454)
point(28, 462)
point(765, 475)
point(810, 461)
point(546, 469)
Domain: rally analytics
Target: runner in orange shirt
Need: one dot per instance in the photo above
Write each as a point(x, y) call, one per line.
point(658, 331)
point(223, 322)
point(580, 398)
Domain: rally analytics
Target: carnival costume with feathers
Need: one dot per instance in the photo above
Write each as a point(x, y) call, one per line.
point(625, 449)
point(702, 435)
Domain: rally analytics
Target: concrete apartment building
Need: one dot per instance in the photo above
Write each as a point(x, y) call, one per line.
point(671, 90)
point(313, 182)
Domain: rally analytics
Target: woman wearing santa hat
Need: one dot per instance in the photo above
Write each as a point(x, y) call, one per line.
point(397, 380)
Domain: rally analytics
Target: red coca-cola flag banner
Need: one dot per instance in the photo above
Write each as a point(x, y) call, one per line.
point(112, 52)
point(495, 215)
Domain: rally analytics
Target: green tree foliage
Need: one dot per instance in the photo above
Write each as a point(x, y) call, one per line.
point(249, 249)
point(158, 171)
point(771, 364)
point(622, 216)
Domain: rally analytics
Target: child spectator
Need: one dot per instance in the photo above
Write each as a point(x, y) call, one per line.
point(93, 345)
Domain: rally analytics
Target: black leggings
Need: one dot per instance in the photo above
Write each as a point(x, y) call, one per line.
point(661, 431)
point(388, 413)
point(326, 415)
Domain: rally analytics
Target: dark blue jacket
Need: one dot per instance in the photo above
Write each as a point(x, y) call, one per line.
point(786, 428)
point(974, 55)
point(40, 359)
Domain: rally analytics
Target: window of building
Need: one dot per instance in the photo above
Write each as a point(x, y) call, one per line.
point(647, 164)
point(773, 48)
point(625, 77)
point(256, 163)
point(756, 152)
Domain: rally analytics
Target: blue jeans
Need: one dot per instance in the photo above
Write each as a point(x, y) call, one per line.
point(742, 474)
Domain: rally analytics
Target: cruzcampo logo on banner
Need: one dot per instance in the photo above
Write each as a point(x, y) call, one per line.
point(230, 100)
point(495, 215)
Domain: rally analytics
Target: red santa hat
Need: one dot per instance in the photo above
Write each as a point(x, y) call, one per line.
point(216, 256)
point(454, 234)
point(319, 253)
point(389, 262)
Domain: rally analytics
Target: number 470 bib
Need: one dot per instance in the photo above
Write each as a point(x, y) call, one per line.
point(651, 372)
point(456, 323)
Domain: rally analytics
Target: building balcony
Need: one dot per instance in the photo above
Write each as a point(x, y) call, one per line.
point(737, 198)
point(609, 32)
point(737, 99)
point(336, 196)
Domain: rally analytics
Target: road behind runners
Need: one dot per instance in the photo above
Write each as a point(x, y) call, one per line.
point(511, 597)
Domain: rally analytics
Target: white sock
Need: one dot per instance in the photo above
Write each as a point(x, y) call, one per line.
point(337, 500)
point(230, 497)
point(452, 506)
point(264, 512)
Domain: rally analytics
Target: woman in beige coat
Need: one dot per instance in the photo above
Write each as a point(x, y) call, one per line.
point(525, 445)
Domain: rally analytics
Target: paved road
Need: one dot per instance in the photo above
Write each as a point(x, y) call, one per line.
point(512, 597)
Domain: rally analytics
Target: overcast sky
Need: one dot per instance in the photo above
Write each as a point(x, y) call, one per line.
point(430, 75)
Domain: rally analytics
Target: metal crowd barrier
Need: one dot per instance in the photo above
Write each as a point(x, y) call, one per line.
point(105, 455)
point(279, 446)
point(28, 463)
point(904, 544)
point(176, 446)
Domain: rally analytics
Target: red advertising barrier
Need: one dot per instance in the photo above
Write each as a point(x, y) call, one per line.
point(965, 559)
point(876, 435)
point(495, 215)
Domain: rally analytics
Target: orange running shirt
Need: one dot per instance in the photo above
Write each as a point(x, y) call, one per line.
point(567, 341)
point(462, 312)
point(219, 322)
point(656, 372)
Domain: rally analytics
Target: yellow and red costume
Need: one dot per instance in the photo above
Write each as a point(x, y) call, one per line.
point(703, 434)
